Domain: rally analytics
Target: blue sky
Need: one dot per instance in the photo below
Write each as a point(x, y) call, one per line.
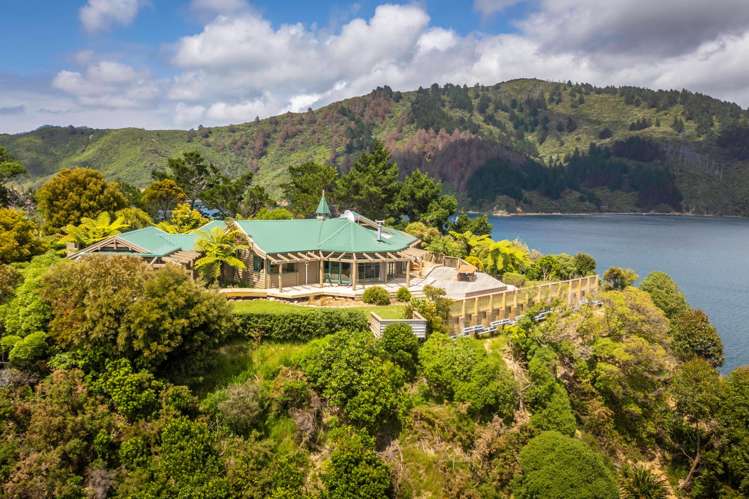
point(177, 64)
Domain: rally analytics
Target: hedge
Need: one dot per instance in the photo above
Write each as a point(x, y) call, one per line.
point(300, 326)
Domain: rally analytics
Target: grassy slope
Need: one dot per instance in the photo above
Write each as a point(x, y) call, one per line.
point(270, 146)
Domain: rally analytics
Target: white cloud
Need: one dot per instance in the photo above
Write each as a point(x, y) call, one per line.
point(100, 15)
point(109, 85)
point(240, 65)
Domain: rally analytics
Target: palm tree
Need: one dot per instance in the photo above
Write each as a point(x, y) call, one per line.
point(92, 230)
point(219, 248)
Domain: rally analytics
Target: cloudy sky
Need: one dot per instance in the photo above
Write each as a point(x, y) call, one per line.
point(177, 64)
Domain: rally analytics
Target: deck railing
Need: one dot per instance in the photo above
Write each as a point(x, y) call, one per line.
point(485, 308)
point(417, 323)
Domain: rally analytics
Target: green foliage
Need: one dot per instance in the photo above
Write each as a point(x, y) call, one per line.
point(665, 293)
point(273, 214)
point(434, 307)
point(188, 464)
point(19, 236)
point(584, 264)
point(376, 295)
point(694, 335)
point(401, 346)
point(351, 372)
point(220, 249)
point(9, 168)
point(28, 350)
point(74, 193)
point(134, 218)
point(555, 466)
point(354, 469)
point(446, 245)
point(242, 407)
point(9, 279)
point(254, 199)
point(92, 230)
point(133, 394)
point(638, 482)
point(403, 294)
point(107, 307)
point(553, 267)
point(306, 184)
point(420, 199)
point(478, 225)
point(161, 197)
point(372, 185)
point(26, 312)
point(300, 326)
point(618, 278)
point(192, 173)
point(514, 279)
point(461, 370)
point(422, 231)
point(547, 397)
point(226, 195)
point(183, 219)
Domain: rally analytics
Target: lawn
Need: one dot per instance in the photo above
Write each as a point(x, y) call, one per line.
point(393, 311)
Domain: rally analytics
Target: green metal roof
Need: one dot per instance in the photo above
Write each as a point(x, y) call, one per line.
point(323, 209)
point(333, 234)
point(157, 242)
point(281, 236)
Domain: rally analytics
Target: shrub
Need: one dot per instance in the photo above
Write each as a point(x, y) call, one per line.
point(26, 312)
point(29, 350)
point(355, 469)
point(638, 481)
point(401, 346)
point(665, 294)
point(300, 326)
point(514, 279)
point(557, 466)
point(349, 370)
point(403, 295)
point(134, 394)
point(376, 295)
point(106, 307)
point(19, 236)
point(693, 335)
point(461, 370)
point(618, 278)
point(584, 264)
point(243, 406)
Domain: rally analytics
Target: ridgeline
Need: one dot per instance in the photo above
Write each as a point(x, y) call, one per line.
point(525, 145)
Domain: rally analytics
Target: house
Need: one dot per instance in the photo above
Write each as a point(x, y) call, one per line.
point(349, 250)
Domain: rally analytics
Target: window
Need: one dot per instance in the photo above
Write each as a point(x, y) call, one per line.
point(287, 268)
point(369, 271)
point(258, 264)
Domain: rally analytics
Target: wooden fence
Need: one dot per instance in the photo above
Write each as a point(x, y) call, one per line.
point(482, 309)
point(418, 324)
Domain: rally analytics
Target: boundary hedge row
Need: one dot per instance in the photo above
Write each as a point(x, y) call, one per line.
point(299, 326)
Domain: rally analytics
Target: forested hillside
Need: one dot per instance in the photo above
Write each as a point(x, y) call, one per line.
point(520, 145)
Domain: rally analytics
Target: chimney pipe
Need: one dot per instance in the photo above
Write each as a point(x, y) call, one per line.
point(379, 229)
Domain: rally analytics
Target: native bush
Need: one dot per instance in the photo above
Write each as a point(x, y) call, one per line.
point(401, 346)
point(665, 293)
point(618, 278)
point(514, 279)
point(693, 335)
point(556, 466)
point(106, 307)
point(354, 468)
point(461, 370)
point(300, 326)
point(638, 481)
point(133, 394)
point(376, 295)
point(28, 350)
point(349, 370)
point(243, 406)
point(25, 312)
point(403, 295)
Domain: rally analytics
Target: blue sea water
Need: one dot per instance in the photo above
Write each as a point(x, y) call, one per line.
point(708, 258)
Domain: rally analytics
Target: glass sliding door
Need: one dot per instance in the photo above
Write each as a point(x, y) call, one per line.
point(338, 273)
